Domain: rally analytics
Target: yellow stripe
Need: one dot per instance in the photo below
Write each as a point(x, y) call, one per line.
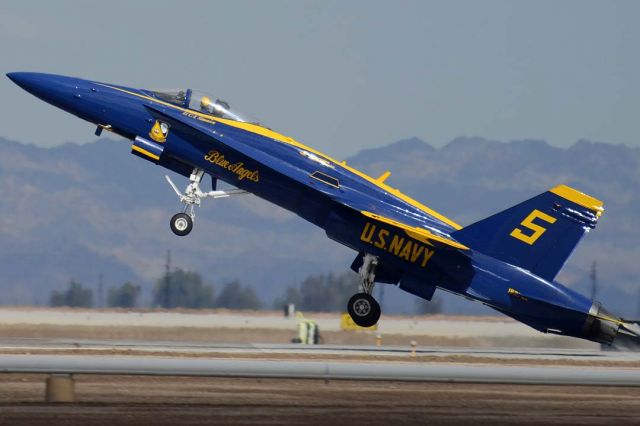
point(579, 198)
point(145, 152)
point(415, 232)
point(254, 128)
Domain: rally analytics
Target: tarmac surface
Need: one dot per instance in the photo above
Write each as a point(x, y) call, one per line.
point(447, 341)
point(221, 326)
point(432, 325)
point(361, 369)
point(121, 400)
point(270, 351)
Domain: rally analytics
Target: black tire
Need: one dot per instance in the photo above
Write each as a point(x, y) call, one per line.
point(364, 310)
point(181, 224)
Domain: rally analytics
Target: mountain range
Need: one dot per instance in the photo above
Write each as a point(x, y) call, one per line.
point(81, 211)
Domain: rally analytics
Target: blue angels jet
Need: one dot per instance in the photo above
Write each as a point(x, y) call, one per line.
point(507, 261)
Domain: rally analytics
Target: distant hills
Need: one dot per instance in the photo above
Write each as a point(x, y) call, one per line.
point(78, 211)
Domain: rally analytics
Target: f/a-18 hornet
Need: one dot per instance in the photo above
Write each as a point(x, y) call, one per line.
point(507, 261)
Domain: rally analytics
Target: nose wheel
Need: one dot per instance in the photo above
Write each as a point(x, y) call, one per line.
point(182, 223)
point(363, 309)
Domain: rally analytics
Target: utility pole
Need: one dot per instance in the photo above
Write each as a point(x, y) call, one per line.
point(594, 280)
point(167, 279)
point(100, 291)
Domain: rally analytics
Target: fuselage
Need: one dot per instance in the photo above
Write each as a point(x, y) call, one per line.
point(326, 192)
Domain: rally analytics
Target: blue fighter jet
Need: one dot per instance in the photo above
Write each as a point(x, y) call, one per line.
point(507, 261)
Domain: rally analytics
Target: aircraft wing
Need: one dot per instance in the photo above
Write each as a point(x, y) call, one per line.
point(417, 233)
point(373, 209)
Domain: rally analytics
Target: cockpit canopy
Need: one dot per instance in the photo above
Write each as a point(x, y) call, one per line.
point(202, 102)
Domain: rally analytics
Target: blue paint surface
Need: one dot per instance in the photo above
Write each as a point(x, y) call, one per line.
point(506, 273)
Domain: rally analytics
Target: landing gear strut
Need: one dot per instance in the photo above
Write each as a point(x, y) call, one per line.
point(362, 307)
point(182, 223)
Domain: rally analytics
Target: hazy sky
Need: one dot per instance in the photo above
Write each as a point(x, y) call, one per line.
point(345, 75)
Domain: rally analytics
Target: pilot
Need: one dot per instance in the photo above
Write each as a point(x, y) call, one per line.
point(206, 105)
point(217, 108)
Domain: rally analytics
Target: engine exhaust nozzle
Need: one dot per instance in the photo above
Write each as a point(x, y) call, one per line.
point(601, 326)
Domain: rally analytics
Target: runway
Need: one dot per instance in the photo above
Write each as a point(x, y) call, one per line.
point(256, 349)
point(326, 362)
point(126, 381)
point(410, 326)
point(126, 400)
point(271, 327)
point(172, 369)
point(325, 370)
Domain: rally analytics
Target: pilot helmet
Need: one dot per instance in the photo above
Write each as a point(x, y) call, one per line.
point(205, 102)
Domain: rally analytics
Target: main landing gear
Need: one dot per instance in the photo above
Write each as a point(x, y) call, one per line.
point(182, 223)
point(362, 307)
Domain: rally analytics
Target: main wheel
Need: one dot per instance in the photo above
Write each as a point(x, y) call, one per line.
point(363, 309)
point(181, 224)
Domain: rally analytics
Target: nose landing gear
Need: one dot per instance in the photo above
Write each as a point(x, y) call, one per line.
point(362, 307)
point(182, 223)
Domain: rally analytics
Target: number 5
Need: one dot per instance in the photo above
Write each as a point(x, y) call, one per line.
point(537, 229)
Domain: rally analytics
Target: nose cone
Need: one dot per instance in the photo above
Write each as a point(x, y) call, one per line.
point(73, 95)
point(32, 82)
point(57, 90)
point(38, 84)
point(17, 77)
